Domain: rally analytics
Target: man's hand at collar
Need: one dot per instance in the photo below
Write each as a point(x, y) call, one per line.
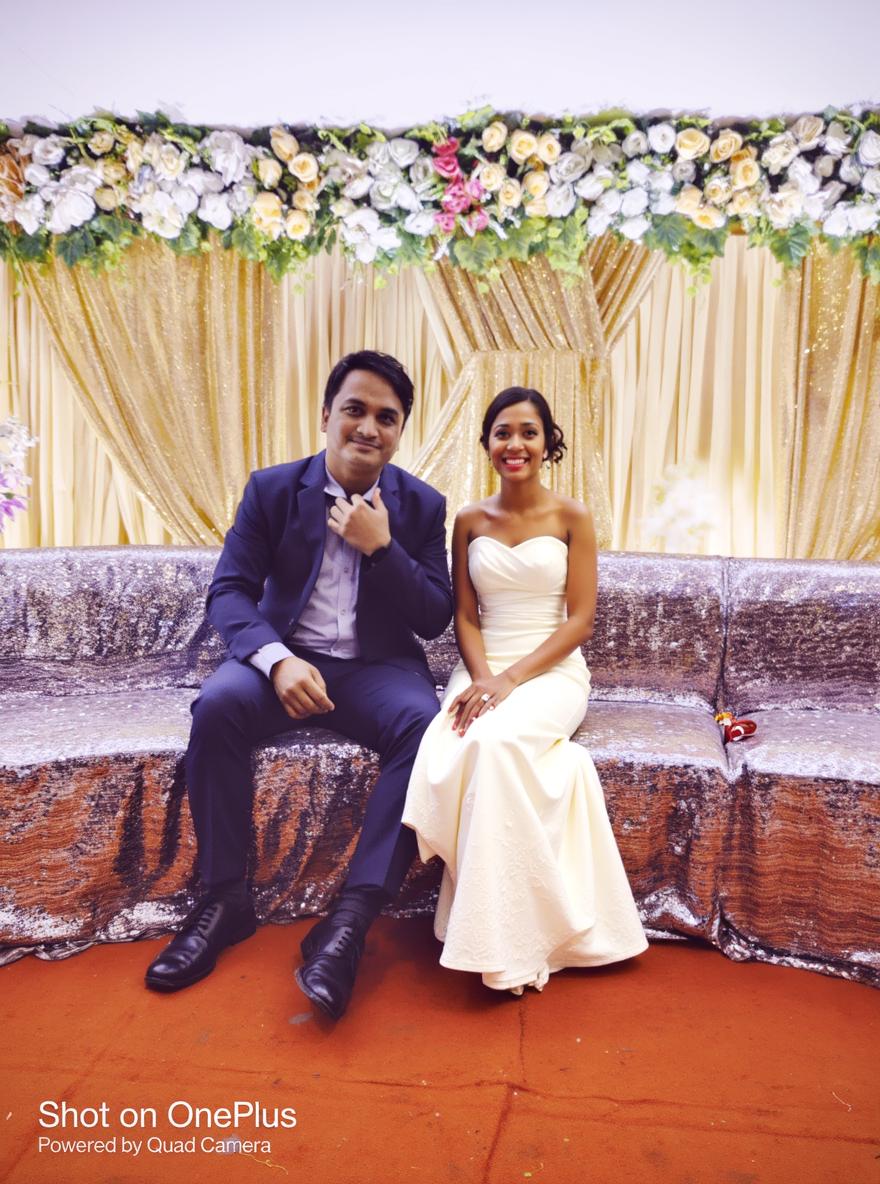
point(363, 526)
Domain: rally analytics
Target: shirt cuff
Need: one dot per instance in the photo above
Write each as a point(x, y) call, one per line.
point(267, 655)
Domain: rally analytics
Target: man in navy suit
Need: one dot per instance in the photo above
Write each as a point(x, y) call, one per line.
point(332, 565)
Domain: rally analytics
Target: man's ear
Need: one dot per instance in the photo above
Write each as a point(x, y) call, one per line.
point(325, 415)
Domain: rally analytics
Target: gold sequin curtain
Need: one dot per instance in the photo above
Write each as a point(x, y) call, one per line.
point(176, 366)
point(828, 500)
point(529, 328)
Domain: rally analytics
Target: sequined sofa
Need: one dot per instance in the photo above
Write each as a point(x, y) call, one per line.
point(769, 849)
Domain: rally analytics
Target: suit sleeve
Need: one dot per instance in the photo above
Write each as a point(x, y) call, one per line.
point(237, 586)
point(416, 587)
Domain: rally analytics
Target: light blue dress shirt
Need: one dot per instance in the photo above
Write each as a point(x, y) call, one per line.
point(327, 624)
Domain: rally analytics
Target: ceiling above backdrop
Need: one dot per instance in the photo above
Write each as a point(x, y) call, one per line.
point(395, 63)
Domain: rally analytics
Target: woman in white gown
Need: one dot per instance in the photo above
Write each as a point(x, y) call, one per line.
point(533, 881)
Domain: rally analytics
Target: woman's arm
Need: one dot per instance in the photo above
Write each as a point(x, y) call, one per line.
point(467, 616)
point(580, 591)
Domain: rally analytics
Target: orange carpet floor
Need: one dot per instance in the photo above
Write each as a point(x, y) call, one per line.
point(678, 1066)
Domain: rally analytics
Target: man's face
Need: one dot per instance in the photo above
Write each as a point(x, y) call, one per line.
point(363, 428)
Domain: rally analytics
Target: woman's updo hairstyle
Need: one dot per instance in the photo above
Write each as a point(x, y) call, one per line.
point(554, 442)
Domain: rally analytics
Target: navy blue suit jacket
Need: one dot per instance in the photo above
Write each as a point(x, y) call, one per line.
point(273, 551)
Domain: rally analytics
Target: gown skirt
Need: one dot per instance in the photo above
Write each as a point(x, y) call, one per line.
point(533, 881)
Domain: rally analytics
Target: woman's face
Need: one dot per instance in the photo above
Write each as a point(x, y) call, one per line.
point(516, 442)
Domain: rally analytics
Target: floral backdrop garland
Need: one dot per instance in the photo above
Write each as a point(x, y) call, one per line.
point(482, 189)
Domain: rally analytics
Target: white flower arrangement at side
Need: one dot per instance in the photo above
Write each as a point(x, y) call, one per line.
point(15, 440)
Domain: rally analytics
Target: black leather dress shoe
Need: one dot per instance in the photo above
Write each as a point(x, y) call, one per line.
point(206, 932)
point(332, 950)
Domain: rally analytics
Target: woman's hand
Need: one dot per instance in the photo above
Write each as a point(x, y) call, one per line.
point(484, 694)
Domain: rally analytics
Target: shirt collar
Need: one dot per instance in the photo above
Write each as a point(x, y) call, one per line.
point(332, 486)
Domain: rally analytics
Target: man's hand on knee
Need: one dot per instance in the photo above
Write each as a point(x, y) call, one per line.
point(300, 688)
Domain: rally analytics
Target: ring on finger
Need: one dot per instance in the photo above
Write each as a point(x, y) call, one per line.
point(485, 698)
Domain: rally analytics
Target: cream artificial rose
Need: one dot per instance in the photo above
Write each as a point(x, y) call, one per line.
point(537, 207)
point(134, 156)
point(170, 162)
point(807, 131)
point(726, 143)
point(304, 199)
point(112, 171)
point(284, 145)
point(100, 143)
point(106, 198)
point(492, 176)
point(717, 190)
point(510, 193)
point(304, 167)
point(688, 200)
point(269, 172)
point(297, 225)
point(536, 184)
point(691, 143)
point(494, 136)
point(745, 173)
point(522, 145)
point(549, 149)
point(708, 218)
point(743, 203)
point(266, 212)
point(635, 144)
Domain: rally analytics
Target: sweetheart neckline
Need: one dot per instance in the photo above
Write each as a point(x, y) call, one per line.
point(515, 546)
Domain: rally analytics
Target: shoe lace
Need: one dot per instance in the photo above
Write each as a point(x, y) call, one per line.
point(202, 920)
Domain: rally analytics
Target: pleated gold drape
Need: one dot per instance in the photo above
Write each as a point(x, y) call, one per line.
point(176, 367)
point(532, 329)
point(828, 500)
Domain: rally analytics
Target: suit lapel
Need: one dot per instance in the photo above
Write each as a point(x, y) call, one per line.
point(312, 512)
point(389, 484)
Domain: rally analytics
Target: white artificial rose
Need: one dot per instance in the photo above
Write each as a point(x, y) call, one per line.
point(24, 145)
point(37, 175)
point(837, 223)
point(871, 181)
point(684, 170)
point(663, 203)
point(850, 171)
point(269, 171)
point(72, 207)
point(202, 181)
point(801, 173)
point(807, 131)
point(637, 172)
point(365, 250)
point(661, 181)
point(342, 207)
point(30, 213)
point(406, 198)
point(403, 151)
point(597, 223)
point(824, 165)
point(568, 168)
point(49, 151)
point(836, 139)
point(584, 149)
point(717, 190)
point(170, 162)
point(134, 156)
point(242, 197)
point(378, 154)
point(228, 155)
point(634, 228)
point(387, 239)
point(779, 153)
point(80, 177)
point(420, 223)
point(185, 199)
point(603, 155)
point(814, 207)
point(661, 137)
point(864, 216)
point(832, 193)
point(382, 195)
point(635, 202)
point(387, 172)
point(591, 186)
point(421, 172)
point(615, 153)
point(359, 187)
point(561, 200)
point(784, 206)
point(610, 201)
point(869, 149)
point(214, 209)
point(635, 144)
point(160, 215)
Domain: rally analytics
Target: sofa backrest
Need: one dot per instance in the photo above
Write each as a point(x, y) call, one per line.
point(86, 620)
point(802, 634)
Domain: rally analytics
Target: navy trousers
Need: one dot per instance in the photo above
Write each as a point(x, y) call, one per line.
point(381, 706)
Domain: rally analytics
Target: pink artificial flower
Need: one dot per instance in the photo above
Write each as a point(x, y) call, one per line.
point(446, 222)
point(448, 167)
point(455, 200)
point(478, 220)
point(475, 189)
point(447, 148)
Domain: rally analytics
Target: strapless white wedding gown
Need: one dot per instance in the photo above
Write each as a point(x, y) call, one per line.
point(533, 881)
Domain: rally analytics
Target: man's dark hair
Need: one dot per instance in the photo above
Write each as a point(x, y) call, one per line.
point(382, 364)
point(554, 442)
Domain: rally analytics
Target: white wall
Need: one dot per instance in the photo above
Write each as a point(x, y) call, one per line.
point(398, 62)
